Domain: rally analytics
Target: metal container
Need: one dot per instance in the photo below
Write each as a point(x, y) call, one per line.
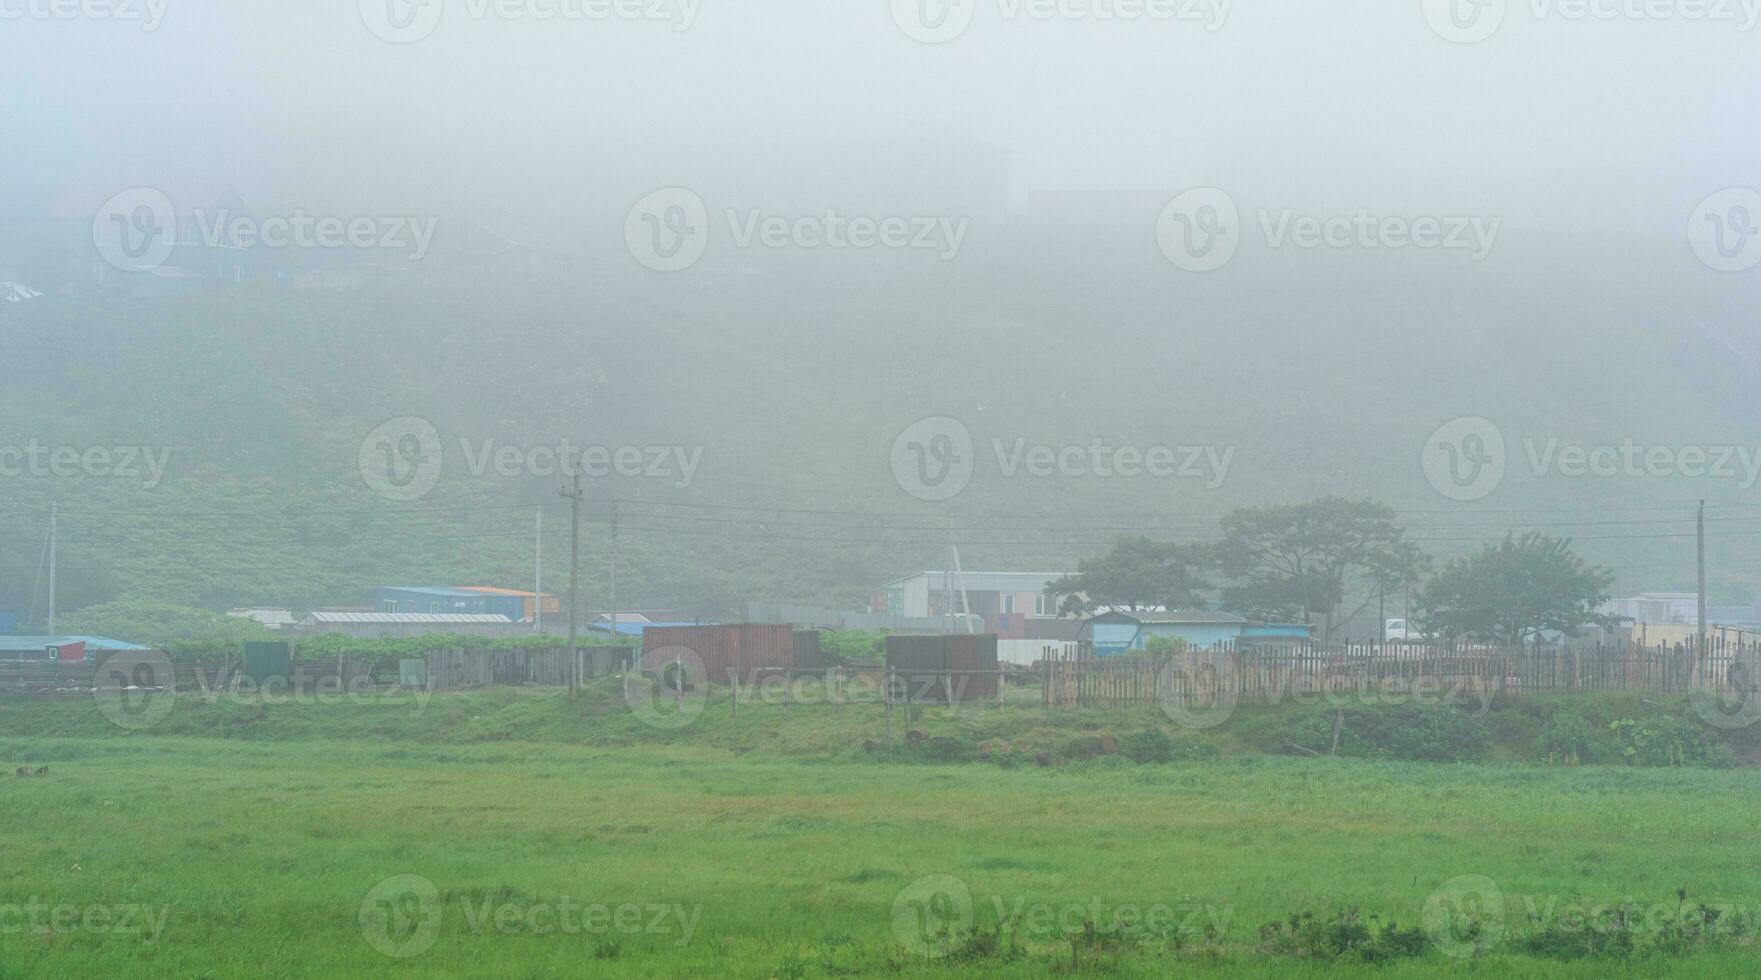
point(930, 668)
point(722, 649)
point(806, 654)
point(267, 661)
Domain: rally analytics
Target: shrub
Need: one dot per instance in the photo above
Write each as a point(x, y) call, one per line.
point(1666, 740)
point(1571, 739)
point(1151, 745)
point(1340, 936)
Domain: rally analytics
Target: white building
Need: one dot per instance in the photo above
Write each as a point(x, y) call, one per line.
point(1002, 599)
point(1659, 608)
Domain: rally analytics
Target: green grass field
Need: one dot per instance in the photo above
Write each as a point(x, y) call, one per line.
point(523, 834)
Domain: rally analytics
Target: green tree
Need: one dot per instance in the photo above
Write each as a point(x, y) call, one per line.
point(1137, 573)
point(1293, 561)
point(1510, 591)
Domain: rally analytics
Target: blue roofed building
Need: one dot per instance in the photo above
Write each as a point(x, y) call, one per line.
point(1116, 632)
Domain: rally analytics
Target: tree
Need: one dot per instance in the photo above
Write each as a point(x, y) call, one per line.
point(1293, 561)
point(1137, 573)
point(1515, 589)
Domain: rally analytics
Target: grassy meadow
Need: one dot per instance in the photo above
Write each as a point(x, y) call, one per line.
point(524, 834)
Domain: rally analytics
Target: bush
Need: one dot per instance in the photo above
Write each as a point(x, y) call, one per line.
point(1340, 936)
point(1152, 745)
point(1410, 732)
point(1571, 739)
point(1666, 740)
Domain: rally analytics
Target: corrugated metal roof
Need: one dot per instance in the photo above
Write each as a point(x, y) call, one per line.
point(35, 644)
point(434, 590)
point(365, 617)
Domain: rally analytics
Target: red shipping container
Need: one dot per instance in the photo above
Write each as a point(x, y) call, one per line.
point(70, 652)
point(722, 649)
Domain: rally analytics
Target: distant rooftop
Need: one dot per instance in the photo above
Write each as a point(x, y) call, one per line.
point(380, 617)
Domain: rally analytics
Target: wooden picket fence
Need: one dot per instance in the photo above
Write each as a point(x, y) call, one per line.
point(1270, 672)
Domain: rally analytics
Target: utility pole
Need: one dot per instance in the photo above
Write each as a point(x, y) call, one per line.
point(614, 572)
point(54, 514)
point(1701, 652)
point(538, 570)
point(574, 569)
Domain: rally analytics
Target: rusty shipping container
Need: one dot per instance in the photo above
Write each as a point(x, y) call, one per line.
point(926, 667)
point(721, 648)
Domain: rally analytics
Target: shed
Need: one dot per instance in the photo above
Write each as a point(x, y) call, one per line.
point(1118, 632)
